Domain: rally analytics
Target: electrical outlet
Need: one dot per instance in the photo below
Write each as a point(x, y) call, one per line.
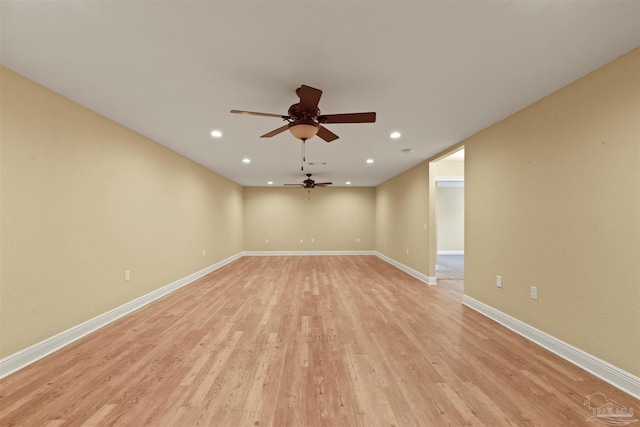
point(301, 241)
point(534, 292)
point(313, 240)
point(499, 281)
point(407, 251)
point(204, 252)
point(358, 240)
point(266, 240)
point(127, 275)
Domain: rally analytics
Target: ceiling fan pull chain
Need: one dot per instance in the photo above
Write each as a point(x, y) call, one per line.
point(302, 156)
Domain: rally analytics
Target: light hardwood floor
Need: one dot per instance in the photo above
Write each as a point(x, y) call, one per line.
point(303, 341)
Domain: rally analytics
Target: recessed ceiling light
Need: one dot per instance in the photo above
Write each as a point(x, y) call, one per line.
point(216, 133)
point(395, 135)
point(270, 182)
point(246, 160)
point(348, 182)
point(369, 161)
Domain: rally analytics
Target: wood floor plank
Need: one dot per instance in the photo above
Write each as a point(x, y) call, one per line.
point(303, 341)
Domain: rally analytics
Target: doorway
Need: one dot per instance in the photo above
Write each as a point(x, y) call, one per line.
point(449, 216)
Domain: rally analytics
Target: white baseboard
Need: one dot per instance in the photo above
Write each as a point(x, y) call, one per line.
point(25, 357)
point(615, 376)
point(420, 276)
point(305, 253)
point(451, 252)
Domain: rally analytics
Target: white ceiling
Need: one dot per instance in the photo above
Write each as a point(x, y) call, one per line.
point(437, 71)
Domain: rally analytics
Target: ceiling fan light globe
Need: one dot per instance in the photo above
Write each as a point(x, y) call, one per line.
point(303, 131)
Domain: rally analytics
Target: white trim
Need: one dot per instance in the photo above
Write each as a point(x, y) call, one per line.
point(615, 376)
point(451, 252)
point(450, 184)
point(305, 253)
point(423, 277)
point(22, 358)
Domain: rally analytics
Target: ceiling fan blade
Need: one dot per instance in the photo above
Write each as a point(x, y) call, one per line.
point(275, 132)
point(326, 134)
point(323, 184)
point(348, 118)
point(294, 185)
point(252, 113)
point(309, 98)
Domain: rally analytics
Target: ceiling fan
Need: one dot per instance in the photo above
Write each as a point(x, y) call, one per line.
point(309, 183)
point(304, 120)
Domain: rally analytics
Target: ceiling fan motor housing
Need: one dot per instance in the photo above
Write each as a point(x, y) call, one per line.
point(297, 114)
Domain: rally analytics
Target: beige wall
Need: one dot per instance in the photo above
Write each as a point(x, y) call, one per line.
point(450, 218)
point(82, 200)
point(402, 214)
point(553, 201)
point(444, 168)
point(334, 217)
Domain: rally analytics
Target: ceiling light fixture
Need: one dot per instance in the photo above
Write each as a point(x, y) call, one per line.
point(270, 182)
point(246, 160)
point(369, 161)
point(348, 182)
point(216, 133)
point(395, 135)
point(305, 130)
